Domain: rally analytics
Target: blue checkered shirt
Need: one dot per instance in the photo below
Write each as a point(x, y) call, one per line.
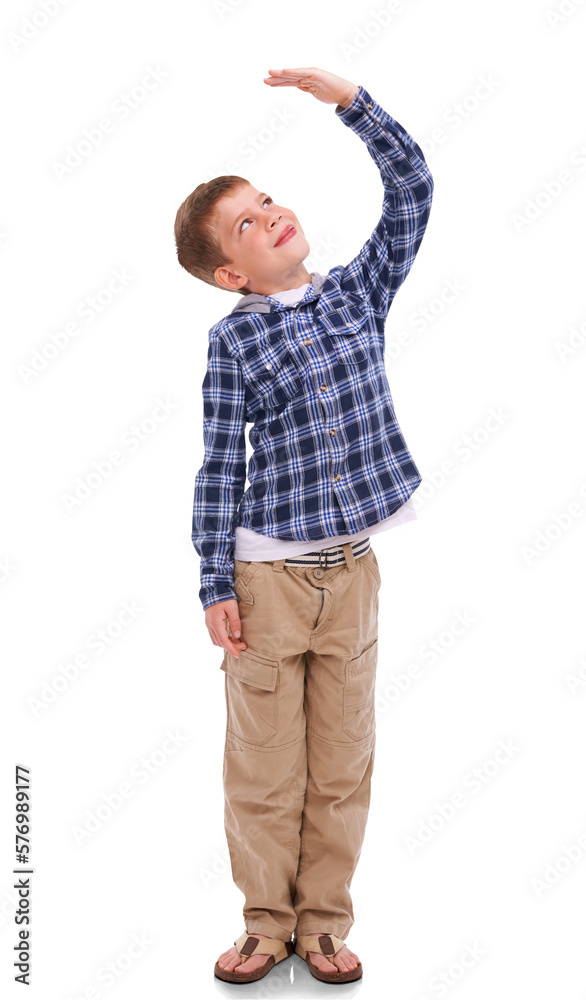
point(328, 455)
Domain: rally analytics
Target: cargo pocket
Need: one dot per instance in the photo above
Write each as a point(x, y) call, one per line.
point(251, 696)
point(359, 694)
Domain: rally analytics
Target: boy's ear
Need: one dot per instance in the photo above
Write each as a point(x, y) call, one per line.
point(231, 280)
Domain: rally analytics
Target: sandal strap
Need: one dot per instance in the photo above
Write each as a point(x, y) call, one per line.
point(247, 945)
point(328, 944)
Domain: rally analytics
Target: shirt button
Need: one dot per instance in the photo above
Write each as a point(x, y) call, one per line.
point(270, 367)
point(307, 341)
point(323, 387)
point(333, 433)
point(369, 106)
point(337, 476)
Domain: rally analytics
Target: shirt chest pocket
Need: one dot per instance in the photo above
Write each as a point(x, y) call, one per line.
point(349, 331)
point(271, 375)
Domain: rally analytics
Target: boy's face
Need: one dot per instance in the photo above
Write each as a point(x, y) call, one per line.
point(249, 224)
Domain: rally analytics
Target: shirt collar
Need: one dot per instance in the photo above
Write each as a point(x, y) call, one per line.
point(254, 302)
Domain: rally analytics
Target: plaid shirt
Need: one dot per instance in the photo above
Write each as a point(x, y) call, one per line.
point(329, 457)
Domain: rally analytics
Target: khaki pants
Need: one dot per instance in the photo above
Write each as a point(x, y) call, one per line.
point(300, 740)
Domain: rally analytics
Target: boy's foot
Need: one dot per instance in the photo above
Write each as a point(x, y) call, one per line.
point(230, 960)
point(344, 959)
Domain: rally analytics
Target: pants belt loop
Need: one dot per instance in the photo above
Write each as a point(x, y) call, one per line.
point(350, 560)
point(278, 565)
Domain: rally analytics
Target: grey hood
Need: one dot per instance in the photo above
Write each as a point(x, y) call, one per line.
point(254, 302)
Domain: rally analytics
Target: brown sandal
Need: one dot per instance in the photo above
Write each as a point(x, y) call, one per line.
point(248, 945)
point(329, 945)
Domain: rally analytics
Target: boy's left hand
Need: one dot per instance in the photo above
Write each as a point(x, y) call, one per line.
point(324, 86)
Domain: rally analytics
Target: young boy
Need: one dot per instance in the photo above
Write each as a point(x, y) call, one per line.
point(287, 565)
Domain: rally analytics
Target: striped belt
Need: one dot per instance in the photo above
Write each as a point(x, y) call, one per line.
point(327, 558)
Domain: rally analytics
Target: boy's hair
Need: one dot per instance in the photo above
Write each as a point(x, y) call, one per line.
point(196, 236)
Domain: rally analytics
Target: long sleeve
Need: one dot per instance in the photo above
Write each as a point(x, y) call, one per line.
point(219, 483)
point(381, 266)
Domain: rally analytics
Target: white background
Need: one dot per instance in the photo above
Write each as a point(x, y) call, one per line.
point(499, 538)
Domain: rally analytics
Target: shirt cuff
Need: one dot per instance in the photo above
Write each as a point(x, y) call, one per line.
point(362, 113)
point(210, 595)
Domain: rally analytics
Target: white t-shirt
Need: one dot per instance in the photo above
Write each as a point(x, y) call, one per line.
point(253, 546)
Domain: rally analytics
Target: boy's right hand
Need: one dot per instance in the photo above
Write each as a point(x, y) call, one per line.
point(218, 617)
point(324, 86)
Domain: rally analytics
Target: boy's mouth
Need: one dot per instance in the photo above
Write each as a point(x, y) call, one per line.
point(285, 235)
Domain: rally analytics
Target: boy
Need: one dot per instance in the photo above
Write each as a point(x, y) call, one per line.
point(287, 564)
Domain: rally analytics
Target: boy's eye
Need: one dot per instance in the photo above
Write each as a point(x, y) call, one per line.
point(250, 220)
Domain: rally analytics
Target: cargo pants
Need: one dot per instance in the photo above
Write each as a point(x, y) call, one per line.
point(300, 740)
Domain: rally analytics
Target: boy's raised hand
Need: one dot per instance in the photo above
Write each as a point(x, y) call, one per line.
point(324, 86)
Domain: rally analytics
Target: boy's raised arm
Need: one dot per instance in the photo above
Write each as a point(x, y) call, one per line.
point(384, 261)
